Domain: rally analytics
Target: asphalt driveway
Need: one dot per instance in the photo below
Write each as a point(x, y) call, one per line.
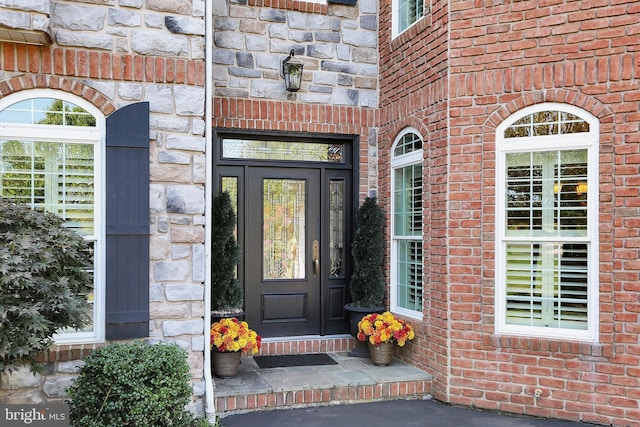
point(395, 413)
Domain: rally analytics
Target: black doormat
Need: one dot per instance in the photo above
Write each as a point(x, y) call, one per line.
point(289, 360)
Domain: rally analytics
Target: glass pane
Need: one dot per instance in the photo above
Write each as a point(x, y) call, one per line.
point(409, 11)
point(409, 274)
point(546, 193)
point(230, 185)
point(407, 205)
point(547, 284)
point(546, 123)
point(408, 144)
point(90, 298)
point(282, 150)
point(51, 176)
point(284, 224)
point(336, 228)
point(47, 111)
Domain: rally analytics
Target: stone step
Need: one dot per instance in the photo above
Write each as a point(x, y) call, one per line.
point(352, 380)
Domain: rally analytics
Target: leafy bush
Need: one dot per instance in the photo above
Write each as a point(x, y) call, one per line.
point(367, 282)
point(44, 282)
point(133, 384)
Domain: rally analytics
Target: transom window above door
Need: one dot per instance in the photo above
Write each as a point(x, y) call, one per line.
point(283, 150)
point(546, 223)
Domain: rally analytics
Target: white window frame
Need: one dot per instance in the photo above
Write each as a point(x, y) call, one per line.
point(398, 162)
point(72, 134)
point(395, 19)
point(586, 140)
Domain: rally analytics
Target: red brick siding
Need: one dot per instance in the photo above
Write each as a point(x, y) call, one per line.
point(75, 62)
point(415, 93)
point(504, 56)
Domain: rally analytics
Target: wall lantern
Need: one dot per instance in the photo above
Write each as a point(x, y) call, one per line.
point(292, 72)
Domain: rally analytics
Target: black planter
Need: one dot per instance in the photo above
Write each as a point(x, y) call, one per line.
point(355, 315)
point(216, 316)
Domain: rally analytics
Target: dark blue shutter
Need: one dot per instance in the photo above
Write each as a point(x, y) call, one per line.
point(127, 222)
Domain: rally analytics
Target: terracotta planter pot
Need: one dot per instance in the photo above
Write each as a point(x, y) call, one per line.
point(381, 355)
point(225, 365)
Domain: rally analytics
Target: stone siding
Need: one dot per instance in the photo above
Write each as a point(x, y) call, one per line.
point(113, 53)
point(338, 47)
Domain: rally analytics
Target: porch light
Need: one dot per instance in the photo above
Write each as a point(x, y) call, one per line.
point(292, 72)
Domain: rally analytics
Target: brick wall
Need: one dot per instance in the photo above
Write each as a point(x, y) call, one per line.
point(415, 93)
point(504, 56)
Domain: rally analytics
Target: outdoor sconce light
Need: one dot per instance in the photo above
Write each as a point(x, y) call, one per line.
point(292, 72)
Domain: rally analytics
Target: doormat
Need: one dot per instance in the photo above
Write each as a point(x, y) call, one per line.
point(289, 360)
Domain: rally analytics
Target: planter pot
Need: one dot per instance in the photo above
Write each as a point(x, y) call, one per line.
point(381, 355)
point(216, 316)
point(225, 365)
point(355, 315)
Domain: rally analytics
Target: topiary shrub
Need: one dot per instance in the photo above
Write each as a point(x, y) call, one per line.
point(134, 384)
point(44, 282)
point(226, 292)
point(367, 281)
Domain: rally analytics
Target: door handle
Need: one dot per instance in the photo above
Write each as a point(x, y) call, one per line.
point(316, 258)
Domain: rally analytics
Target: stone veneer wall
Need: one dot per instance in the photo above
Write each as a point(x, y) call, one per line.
point(111, 53)
point(338, 46)
point(25, 20)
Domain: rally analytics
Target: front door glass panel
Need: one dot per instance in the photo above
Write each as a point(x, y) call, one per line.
point(284, 222)
point(336, 228)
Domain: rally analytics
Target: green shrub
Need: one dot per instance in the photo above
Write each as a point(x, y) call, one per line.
point(133, 384)
point(367, 281)
point(44, 282)
point(226, 292)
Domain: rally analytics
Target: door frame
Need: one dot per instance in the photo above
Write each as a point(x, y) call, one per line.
point(330, 323)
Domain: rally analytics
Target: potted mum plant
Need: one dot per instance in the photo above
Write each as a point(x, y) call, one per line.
point(230, 338)
point(382, 332)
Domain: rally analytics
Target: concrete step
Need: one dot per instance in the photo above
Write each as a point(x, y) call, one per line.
point(352, 380)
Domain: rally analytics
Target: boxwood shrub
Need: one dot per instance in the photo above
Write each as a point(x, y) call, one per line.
point(133, 384)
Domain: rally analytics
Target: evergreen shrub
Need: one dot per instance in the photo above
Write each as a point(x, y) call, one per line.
point(133, 384)
point(367, 281)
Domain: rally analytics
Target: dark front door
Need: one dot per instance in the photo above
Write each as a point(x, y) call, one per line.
point(294, 256)
point(294, 202)
point(283, 251)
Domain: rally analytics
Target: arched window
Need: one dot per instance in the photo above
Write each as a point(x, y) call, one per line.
point(51, 155)
point(60, 154)
point(546, 223)
point(406, 224)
